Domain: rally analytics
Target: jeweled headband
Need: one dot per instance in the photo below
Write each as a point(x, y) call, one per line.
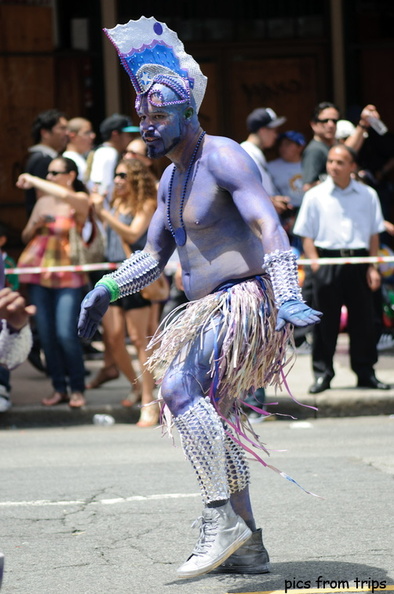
point(152, 53)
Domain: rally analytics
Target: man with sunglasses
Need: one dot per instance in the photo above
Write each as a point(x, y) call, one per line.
point(324, 125)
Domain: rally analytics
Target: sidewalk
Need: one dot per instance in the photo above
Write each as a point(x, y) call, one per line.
point(29, 386)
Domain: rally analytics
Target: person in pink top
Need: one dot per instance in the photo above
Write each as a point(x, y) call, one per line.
point(63, 205)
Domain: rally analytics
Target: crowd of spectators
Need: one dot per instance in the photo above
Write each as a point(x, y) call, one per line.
point(67, 177)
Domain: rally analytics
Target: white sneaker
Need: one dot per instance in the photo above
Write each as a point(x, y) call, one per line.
point(305, 348)
point(222, 532)
point(255, 418)
point(5, 402)
point(386, 341)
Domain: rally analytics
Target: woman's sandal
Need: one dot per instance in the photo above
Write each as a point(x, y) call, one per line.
point(77, 400)
point(149, 416)
point(56, 398)
point(104, 375)
point(132, 399)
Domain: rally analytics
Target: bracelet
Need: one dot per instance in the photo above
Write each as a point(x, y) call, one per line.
point(111, 285)
point(281, 267)
point(133, 275)
point(363, 127)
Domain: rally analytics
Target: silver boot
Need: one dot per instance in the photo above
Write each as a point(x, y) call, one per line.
point(222, 532)
point(252, 557)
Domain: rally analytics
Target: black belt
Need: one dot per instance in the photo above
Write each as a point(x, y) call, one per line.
point(342, 253)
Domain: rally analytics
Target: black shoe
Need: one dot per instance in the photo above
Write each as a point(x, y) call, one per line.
point(90, 352)
point(321, 384)
point(372, 382)
point(252, 557)
point(35, 358)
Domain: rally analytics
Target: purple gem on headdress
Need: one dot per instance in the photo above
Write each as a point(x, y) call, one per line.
point(158, 29)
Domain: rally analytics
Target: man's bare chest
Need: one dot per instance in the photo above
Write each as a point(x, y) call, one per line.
point(203, 204)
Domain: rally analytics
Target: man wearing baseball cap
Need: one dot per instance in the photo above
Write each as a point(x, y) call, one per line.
point(262, 124)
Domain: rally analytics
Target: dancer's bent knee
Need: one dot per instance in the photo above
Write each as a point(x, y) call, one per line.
point(180, 391)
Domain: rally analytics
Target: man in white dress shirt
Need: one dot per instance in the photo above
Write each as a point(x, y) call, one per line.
point(342, 217)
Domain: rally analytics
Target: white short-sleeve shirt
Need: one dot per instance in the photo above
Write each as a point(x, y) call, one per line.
point(104, 163)
point(260, 160)
point(80, 162)
point(336, 218)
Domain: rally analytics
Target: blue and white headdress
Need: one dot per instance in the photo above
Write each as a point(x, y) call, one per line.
point(152, 53)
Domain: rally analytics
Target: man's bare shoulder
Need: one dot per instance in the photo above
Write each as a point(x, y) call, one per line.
point(213, 143)
point(224, 155)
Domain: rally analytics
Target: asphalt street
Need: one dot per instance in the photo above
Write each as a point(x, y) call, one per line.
point(107, 510)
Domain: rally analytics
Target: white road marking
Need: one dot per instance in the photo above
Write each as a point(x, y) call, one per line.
point(114, 501)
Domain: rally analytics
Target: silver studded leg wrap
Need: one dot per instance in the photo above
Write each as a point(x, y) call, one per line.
point(282, 270)
point(14, 347)
point(135, 273)
point(237, 467)
point(202, 438)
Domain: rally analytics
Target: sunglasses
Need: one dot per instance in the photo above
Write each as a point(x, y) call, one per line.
point(326, 120)
point(122, 175)
point(54, 173)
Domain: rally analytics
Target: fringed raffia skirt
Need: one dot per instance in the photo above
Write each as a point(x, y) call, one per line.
point(248, 352)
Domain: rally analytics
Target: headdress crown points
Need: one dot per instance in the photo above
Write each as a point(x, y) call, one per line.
point(151, 52)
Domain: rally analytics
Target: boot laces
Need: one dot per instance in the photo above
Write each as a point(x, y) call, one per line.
point(208, 531)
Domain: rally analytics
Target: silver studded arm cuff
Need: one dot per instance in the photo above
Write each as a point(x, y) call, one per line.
point(282, 270)
point(133, 275)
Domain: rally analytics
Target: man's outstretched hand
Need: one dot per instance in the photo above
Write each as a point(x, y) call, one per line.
point(93, 308)
point(297, 313)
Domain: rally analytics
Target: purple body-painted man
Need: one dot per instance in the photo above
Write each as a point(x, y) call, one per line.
point(213, 210)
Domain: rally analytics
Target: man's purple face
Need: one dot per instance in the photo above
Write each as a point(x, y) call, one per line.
point(161, 126)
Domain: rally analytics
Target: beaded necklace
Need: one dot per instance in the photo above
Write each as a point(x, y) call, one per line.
point(179, 234)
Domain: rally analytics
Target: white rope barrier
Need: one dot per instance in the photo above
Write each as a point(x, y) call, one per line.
point(111, 266)
point(74, 268)
point(353, 260)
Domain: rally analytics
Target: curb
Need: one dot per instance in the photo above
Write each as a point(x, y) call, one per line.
point(337, 405)
point(332, 403)
point(343, 399)
point(25, 417)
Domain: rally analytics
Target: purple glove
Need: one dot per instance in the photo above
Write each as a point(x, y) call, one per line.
point(297, 313)
point(93, 308)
